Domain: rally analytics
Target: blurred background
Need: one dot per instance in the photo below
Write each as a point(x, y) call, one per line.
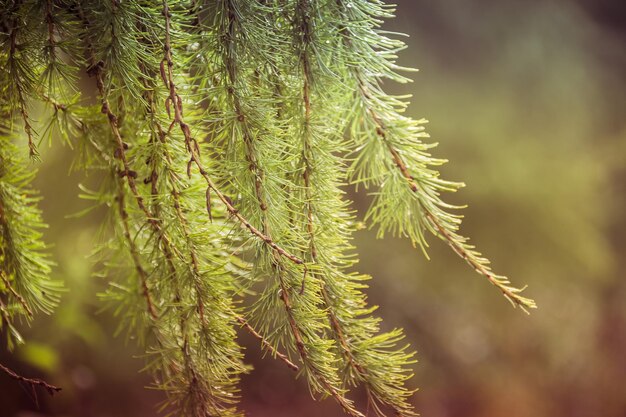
point(528, 101)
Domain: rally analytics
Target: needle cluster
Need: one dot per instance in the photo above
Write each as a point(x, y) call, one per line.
point(224, 133)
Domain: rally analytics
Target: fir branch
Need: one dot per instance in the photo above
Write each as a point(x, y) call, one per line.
point(304, 25)
point(135, 253)
point(197, 396)
point(20, 74)
point(320, 375)
point(381, 111)
point(313, 355)
point(127, 172)
point(459, 244)
point(58, 55)
point(96, 71)
point(193, 149)
point(52, 46)
point(301, 346)
point(24, 263)
point(391, 392)
point(269, 87)
point(162, 135)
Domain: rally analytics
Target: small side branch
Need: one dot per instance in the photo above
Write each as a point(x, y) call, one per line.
point(15, 294)
point(19, 87)
point(194, 150)
point(95, 69)
point(33, 382)
point(273, 351)
point(143, 275)
point(455, 241)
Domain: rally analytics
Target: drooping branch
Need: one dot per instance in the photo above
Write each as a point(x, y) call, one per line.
point(198, 394)
point(386, 124)
point(16, 72)
point(456, 241)
point(376, 392)
point(132, 247)
point(229, 28)
point(194, 152)
point(271, 84)
point(95, 69)
point(162, 135)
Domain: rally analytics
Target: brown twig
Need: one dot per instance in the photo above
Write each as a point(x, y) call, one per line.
point(191, 145)
point(50, 23)
point(273, 351)
point(336, 326)
point(95, 69)
point(259, 192)
point(20, 91)
point(452, 241)
point(33, 382)
point(55, 104)
point(143, 276)
point(307, 151)
point(193, 148)
point(19, 298)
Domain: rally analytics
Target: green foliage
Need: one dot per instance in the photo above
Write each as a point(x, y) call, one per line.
point(24, 265)
point(224, 136)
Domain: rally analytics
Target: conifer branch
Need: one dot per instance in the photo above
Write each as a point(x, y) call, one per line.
point(95, 69)
point(375, 392)
point(50, 22)
point(197, 396)
point(193, 149)
point(16, 70)
point(381, 110)
point(24, 264)
point(130, 175)
point(270, 85)
point(456, 241)
point(319, 375)
point(52, 46)
point(264, 235)
point(162, 134)
point(346, 404)
point(143, 276)
point(306, 98)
